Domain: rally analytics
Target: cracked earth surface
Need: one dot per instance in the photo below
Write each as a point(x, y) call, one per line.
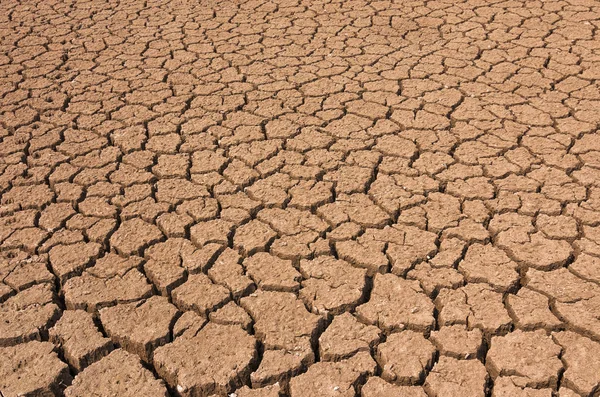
point(300, 198)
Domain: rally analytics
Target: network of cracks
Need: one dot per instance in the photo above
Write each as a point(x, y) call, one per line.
point(300, 198)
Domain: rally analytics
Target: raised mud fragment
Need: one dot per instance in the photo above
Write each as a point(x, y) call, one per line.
point(469, 231)
point(170, 261)
point(345, 336)
point(531, 310)
point(119, 373)
point(279, 366)
point(216, 231)
point(253, 236)
point(575, 300)
point(368, 255)
point(228, 271)
point(200, 294)
point(449, 254)
point(32, 369)
point(535, 250)
point(457, 342)
point(331, 285)
point(174, 191)
point(188, 324)
point(474, 305)
point(217, 359)
point(505, 387)
point(70, 260)
point(377, 387)
point(433, 279)
point(174, 225)
point(397, 304)
point(271, 273)
point(333, 378)
point(134, 235)
point(490, 265)
point(140, 327)
point(81, 342)
point(561, 285)
point(357, 208)
point(406, 245)
point(268, 391)
point(586, 267)
point(231, 314)
point(530, 359)
point(27, 315)
point(581, 357)
point(19, 270)
point(405, 358)
point(451, 377)
point(281, 321)
point(298, 231)
point(110, 281)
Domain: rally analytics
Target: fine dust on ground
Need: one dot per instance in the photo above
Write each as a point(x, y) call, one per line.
point(300, 198)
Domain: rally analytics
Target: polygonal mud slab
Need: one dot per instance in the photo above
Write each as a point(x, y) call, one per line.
point(140, 327)
point(32, 369)
point(81, 342)
point(397, 304)
point(27, 315)
point(118, 374)
point(530, 359)
point(217, 359)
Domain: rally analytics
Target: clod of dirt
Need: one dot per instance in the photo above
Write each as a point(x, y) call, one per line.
point(271, 273)
point(134, 235)
point(530, 359)
point(331, 285)
point(217, 359)
point(139, 327)
point(231, 314)
point(487, 264)
point(188, 324)
point(268, 391)
point(475, 305)
point(345, 337)
point(70, 260)
point(397, 304)
point(582, 361)
point(377, 387)
point(281, 321)
point(433, 279)
point(406, 245)
point(405, 358)
point(366, 255)
point(333, 378)
point(504, 387)
point(112, 280)
point(200, 294)
point(278, 366)
point(79, 339)
point(119, 373)
point(531, 310)
point(32, 368)
point(457, 342)
point(253, 237)
point(27, 315)
point(23, 271)
point(451, 377)
point(228, 271)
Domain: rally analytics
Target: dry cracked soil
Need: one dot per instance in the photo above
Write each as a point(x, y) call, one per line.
point(300, 198)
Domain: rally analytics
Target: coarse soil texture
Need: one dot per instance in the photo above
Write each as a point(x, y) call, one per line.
point(300, 198)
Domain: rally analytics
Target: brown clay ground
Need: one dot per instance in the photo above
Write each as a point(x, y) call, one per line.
point(300, 198)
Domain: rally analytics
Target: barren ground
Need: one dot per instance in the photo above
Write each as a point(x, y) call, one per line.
point(300, 198)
